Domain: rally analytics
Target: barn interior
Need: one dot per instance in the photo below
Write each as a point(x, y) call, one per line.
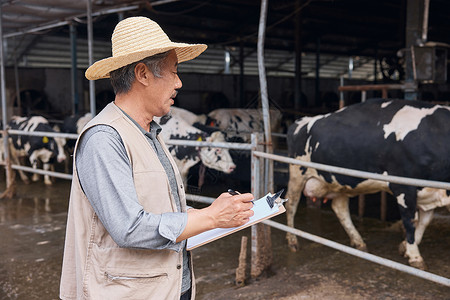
point(311, 47)
point(318, 56)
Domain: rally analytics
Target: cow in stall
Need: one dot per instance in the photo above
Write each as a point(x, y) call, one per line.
point(186, 157)
point(73, 124)
point(188, 116)
point(393, 137)
point(38, 149)
point(240, 123)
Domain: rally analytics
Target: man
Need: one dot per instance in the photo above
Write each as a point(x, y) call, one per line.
point(128, 222)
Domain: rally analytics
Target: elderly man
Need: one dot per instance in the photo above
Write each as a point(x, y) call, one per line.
point(128, 221)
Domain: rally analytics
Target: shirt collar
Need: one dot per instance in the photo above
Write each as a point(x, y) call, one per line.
point(155, 129)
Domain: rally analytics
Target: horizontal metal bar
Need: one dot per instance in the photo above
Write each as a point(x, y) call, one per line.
point(375, 87)
point(42, 172)
point(67, 22)
point(361, 254)
point(279, 134)
point(237, 146)
point(42, 133)
point(201, 199)
point(356, 173)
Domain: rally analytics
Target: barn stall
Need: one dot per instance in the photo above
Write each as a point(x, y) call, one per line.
point(347, 70)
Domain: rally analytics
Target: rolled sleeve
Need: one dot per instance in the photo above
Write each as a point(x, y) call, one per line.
point(171, 227)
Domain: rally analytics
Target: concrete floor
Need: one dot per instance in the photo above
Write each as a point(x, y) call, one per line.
point(32, 228)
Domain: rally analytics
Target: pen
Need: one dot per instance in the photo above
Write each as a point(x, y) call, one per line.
point(234, 193)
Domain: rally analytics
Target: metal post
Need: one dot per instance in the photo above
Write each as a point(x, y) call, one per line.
point(227, 60)
point(414, 14)
point(91, 56)
point(341, 93)
point(241, 73)
point(261, 240)
point(73, 52)
point(264, 95)
point(298, 58)
point(16, 77)
point(261, 247)
point(317, 96)
point(9, 178)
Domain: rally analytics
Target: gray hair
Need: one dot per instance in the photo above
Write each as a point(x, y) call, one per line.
point(123, 78)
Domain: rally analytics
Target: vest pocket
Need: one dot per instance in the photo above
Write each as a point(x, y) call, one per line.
point(138, 278)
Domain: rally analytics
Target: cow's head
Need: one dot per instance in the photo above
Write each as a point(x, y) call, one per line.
point(217, 158)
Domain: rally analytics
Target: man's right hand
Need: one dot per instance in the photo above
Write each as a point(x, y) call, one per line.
point(231, 211)
point(225, 212)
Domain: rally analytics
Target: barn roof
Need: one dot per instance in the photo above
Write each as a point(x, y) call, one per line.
point(343, 31)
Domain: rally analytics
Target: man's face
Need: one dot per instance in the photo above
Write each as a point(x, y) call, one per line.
point(163, 89)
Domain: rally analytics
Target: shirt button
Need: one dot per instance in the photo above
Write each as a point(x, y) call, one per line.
point(178, 267)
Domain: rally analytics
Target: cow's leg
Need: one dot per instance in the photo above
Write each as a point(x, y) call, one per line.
point(35, 176)
point(14, 156)
point(425, 218)
point(295, 187)
point(407, 203)
point(47, 179)
point(341, 209)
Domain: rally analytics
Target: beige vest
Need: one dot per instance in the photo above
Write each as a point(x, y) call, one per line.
point(94, 267)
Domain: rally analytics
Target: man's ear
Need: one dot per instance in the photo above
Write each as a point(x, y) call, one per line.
point(141, 73)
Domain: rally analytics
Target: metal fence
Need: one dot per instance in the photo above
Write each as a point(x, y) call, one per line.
point(256, 164)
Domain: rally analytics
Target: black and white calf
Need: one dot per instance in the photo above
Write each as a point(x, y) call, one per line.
point(186, 157)
point(393, 137)
point(46, 150)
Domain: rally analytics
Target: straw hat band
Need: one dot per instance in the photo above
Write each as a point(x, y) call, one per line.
point(136, 38)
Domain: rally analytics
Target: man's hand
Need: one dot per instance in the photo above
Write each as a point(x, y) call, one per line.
point(225, 212)
point(231, 211)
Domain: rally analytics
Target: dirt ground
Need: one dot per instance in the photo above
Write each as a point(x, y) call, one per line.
point(32, 227)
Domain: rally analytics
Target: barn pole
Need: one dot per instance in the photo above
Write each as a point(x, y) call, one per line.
point(10, 187)
point(298, 57)
point(241, 73)
point(264, 94)
point(261, 246)
point(415, 31)
point(261, 243)
point(91, 56)
point(73, 54)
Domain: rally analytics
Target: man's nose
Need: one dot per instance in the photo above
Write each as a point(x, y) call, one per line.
point(178, 83)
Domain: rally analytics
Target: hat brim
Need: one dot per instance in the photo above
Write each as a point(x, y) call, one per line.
point(102, 68)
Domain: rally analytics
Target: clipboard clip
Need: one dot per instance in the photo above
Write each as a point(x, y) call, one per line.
point(271, 200)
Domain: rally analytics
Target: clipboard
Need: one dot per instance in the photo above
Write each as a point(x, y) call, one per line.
point(262, 210)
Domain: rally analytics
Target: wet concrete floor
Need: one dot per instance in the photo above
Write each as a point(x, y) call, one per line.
point(32, 228)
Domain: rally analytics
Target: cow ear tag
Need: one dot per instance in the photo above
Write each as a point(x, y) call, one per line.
point(45, 140)
point(199, 139)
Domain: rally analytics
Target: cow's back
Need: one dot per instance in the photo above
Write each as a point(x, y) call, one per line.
point(402, 137)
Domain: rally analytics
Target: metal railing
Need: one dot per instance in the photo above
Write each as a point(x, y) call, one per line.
point(255, 183)
point(361, 254)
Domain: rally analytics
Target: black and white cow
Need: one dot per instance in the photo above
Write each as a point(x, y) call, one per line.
point(242, 122)
point(74, 124)
point(186, 157)
point(393, 137)
point(46, 150)
point(188, 116)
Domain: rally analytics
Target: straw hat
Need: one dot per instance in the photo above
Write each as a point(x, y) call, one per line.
point(136, 38)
